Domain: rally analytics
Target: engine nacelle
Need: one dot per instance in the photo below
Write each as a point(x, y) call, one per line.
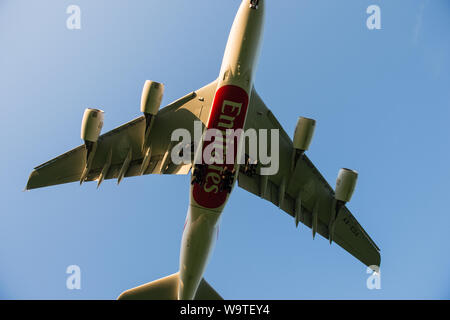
point(91, 125)
point(151, 98)
point(345, 184)
point(304, 132)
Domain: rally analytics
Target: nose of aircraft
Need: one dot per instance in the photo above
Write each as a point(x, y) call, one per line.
point(255, 4)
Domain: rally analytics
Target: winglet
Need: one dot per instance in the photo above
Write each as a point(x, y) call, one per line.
point(29, 185)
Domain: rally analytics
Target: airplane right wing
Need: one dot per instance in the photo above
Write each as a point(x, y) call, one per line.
point(124, 143)
point(304, 193)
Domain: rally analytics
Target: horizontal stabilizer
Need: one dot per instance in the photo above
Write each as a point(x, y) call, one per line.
point(167, 289)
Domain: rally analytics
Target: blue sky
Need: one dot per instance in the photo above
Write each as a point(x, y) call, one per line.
point(381, 99)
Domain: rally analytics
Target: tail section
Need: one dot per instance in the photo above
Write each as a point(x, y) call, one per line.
point(167, 289)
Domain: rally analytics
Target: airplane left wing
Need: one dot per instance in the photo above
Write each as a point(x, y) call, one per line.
point(304, 193)
point(124, 145)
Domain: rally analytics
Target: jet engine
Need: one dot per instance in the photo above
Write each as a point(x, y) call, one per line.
point(91, 127)
point(345, 184)
point(303, 134)
point(152, 94)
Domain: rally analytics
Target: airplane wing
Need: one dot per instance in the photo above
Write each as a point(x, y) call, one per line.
point(307, 184)
point(124, 144)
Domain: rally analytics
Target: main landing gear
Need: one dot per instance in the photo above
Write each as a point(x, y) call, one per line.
point(199, 174)
point(227, 177)
point(227, 180)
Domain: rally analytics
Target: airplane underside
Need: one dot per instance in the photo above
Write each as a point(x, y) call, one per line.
point(143, 146)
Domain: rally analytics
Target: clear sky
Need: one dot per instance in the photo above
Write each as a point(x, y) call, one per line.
point(381, 99)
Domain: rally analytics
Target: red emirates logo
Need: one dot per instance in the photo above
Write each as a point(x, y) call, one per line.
point(227, 113)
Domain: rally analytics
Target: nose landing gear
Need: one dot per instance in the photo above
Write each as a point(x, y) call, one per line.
point(254, 4)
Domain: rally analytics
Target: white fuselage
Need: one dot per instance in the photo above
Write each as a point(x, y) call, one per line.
point(228, 111)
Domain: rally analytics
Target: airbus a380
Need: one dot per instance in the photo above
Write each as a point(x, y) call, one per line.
point(143, 146)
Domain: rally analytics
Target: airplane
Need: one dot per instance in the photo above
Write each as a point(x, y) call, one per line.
point(143, 146)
